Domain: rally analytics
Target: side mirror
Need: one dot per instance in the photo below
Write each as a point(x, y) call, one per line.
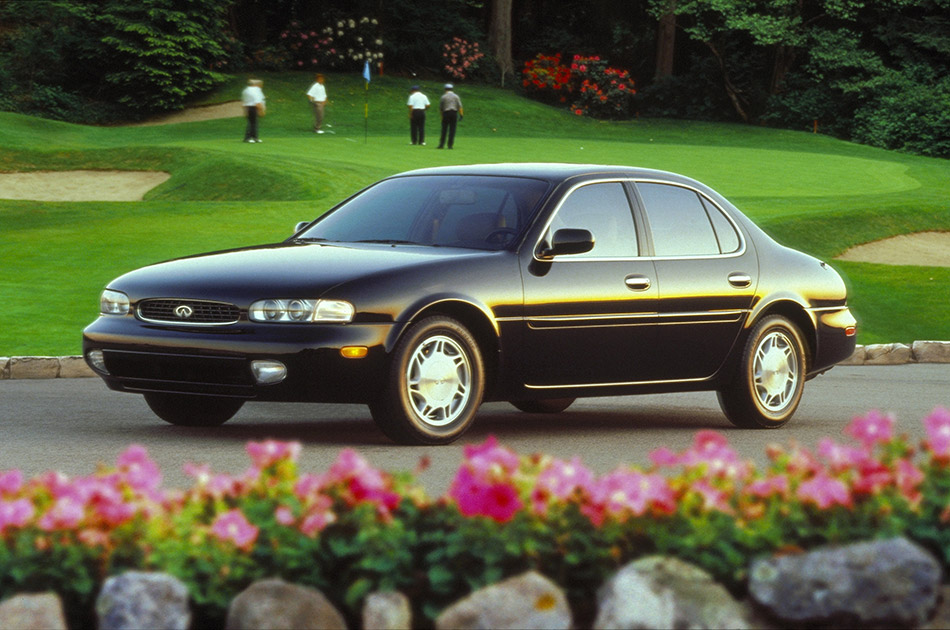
point(301, 226)
point(568, 241)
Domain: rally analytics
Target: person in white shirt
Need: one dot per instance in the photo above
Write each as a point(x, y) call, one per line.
point(318, 98)
point(418, 103)
point(252, 98)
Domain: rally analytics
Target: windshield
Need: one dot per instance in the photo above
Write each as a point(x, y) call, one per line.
point(447, 210)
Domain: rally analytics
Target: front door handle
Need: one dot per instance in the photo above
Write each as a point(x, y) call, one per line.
point(637, 283)
point(740, 280)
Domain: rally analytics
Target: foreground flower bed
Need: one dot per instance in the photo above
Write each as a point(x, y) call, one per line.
point(354, 529)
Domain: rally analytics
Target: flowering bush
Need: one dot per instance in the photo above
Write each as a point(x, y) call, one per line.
point(354, 529)
point(589, 84)
point(461, 58)
point(342, 44)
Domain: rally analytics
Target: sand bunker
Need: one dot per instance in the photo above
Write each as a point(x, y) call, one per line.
point(80, 185)
point(231, 109)
point(926, 249)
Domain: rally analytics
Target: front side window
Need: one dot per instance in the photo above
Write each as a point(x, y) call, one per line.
point(679, 222)
point(604, 210)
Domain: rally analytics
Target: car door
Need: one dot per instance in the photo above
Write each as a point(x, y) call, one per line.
point(707, 275)
point(590, 317)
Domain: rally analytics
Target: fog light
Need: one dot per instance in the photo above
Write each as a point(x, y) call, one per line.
point(354, 352)
point(97, 361)
point(268, 372)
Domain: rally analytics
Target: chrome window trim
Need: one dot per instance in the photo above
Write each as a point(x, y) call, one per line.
point(574, 259)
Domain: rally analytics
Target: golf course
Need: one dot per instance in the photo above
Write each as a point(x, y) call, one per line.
point(808, 191)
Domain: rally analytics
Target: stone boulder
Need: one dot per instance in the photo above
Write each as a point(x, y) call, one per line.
point(523, 602)
point(931, 351)
point(274, 604)
point(887, 354)
point(137, 599)
point(887, 583)
point(42, 611)
point(387, 611)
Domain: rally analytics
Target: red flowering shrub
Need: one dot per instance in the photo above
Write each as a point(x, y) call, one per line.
point(589, 85)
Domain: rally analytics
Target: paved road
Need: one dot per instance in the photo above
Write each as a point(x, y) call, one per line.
point(71, 424)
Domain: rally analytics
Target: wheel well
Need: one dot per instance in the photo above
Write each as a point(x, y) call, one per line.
point(797, 315)
point(480, 327)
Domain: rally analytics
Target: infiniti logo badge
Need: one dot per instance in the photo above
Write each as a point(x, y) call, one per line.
point(184, 311)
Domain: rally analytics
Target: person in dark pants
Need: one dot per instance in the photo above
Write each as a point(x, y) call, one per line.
point(417, 103)
point(450, 106)
point(252, 98)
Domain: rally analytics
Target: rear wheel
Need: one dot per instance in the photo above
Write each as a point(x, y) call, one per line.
point(193, 411)
point(548, 405)
point(770, 379)
point(434, 386)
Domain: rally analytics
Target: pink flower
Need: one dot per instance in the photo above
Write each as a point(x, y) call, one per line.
point(11, 482)
point(871, 429)
point(634, 492)
point(233, 526)
point(65, 513)
point(839, 456)
point(491, 459)
point(270, 452)
point(938, 432)
point(318, 517)
point(481, 497)
point(873, 476)
point(713, 498)
point(664, 458)
point(16, 513)
point(139, 471)
point(284, 515)
point(908, 478)
point(824, 492)
point(765, 488)
point(562, 479)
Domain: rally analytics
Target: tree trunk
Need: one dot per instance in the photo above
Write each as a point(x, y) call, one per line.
point(499, 37)
point(731, 90)
point(665, 43)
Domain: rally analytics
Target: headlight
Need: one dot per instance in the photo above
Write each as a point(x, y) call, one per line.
point(113, 303)
point(294, 311)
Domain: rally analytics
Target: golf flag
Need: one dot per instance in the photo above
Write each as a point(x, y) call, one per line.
point(366, 76)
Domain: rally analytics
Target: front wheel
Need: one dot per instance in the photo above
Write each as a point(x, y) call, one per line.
point(770, 379)
point(193, 411)
point(434, 385)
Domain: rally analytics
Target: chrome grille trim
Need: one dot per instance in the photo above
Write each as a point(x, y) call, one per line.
point(176, 311)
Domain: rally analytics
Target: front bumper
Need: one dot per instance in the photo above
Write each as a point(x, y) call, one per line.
point(139, 357)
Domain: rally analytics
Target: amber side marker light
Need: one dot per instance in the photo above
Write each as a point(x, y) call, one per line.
point(353, 352)
point(851, 331)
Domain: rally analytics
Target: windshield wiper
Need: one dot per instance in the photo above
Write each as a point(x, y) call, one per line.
point(311, 239)
point(388, 241)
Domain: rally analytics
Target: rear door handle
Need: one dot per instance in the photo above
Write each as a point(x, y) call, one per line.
point(637, 283)
point(740, 280)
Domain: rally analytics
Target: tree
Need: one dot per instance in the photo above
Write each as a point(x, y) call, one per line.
point(499, 37)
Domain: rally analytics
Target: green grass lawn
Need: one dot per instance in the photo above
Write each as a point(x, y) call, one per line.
point(810, 192)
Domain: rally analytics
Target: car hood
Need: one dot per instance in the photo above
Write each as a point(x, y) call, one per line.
point(282, 270)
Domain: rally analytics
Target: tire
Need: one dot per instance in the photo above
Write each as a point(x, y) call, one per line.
point(434, 385)
point(186, 410)
point(548, 405)
point(770, 378)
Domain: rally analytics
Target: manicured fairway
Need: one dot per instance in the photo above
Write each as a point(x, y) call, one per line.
point(808, 191)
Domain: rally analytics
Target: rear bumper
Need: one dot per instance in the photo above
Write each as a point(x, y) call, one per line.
point(143, 358)
point(836, 338)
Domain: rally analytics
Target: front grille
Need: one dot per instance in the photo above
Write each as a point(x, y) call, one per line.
point(188, 312)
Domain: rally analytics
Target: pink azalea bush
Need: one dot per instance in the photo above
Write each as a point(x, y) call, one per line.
point(354, 528)
point(461, 58)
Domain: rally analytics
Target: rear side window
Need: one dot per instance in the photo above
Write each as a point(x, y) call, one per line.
point(680, 223)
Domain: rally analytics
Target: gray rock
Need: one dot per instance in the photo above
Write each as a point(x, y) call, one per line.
point(629, 601)
point(74, 367)
point(888, 583)
point(34, 367)
point(4, 367)
point(887, 354)
point(525, 602)
point(136, 600)
point(43, 611)
point(387, 611)
point(698, 600)
point(931, 351)
point(857, 357)
point(273, 604)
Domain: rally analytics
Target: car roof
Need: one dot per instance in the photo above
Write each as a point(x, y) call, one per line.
point(552, 171)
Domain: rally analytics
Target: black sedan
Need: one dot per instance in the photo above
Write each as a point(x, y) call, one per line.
point(432, 291)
